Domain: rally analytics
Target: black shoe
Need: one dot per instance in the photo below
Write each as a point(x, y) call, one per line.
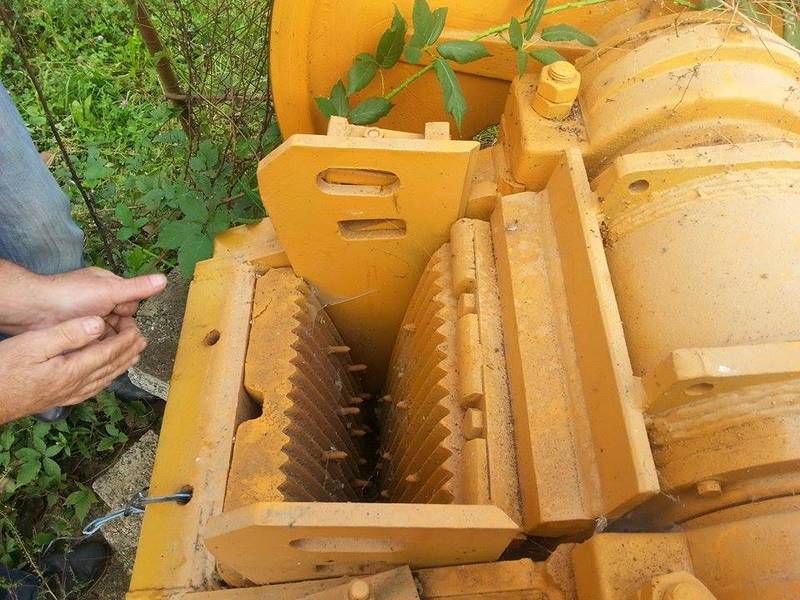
point(126, 391)
point(74, 567)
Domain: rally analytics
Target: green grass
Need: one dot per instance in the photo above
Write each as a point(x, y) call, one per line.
point(163, 201)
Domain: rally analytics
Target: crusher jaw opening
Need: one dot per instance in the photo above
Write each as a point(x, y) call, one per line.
point(436, 357)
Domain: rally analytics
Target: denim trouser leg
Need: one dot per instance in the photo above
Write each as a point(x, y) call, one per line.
point(36, 229)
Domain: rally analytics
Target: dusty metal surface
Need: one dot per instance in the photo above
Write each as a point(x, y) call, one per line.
point(601, 353)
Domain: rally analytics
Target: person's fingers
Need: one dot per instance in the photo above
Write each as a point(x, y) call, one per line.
point(124, 360)
point(124, 323)
point(65, 337)
point(95, 387)
point(124, 291)
point(126, 309)
point(85, 362)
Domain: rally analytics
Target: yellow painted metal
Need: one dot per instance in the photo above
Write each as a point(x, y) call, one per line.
point(742, 556)
point(613, 342)
point(371, 242)
point(205, 404)
point(665, 84)
point(314, 42)
point(324, 539)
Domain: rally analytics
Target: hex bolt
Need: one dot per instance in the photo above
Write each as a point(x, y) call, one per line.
point(359, 590)
point(562, 71)
point(709, 488)
point(686, 590)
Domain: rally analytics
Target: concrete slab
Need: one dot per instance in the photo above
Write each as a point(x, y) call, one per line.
point(160, 320)
point(129, 475)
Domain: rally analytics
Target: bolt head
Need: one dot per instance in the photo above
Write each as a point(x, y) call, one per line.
point(359, 590)
point(709, 488)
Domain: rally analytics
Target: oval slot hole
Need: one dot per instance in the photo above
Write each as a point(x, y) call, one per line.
point(358, 182)
point(372, 229)
point(345, 545)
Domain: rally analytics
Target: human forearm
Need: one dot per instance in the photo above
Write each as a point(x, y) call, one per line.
point(21, 298)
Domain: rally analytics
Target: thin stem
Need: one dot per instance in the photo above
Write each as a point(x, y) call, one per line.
point(408, 81)
point(494, 31)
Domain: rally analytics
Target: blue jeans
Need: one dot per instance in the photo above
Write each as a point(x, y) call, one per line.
point(36, 229)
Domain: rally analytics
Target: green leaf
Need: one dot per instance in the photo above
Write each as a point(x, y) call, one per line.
point(437, 26)
point(463, 52)
point(219, 222)
point(370, 111)
point(81, 500)
point(791, 31)
point(51, 468)
point(123, 214)
point(325, 106)
point(547, 56)
point(363, 72)
point(28, 472)
point(39, 445)
point(96, 168)
point(390, 46)
point(535, 15)
point(454, 102)
point(27, 454)
point(175, 233)
point(7, 437)
point(567, 33)
point(192, 250)
point(193, 208)
point(515, 34)
point(422, 17)
point(52, 451)
point(413, 54)
point(339, 99)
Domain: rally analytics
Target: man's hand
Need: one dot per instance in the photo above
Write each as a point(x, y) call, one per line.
point(43, 301)
point(65, 364)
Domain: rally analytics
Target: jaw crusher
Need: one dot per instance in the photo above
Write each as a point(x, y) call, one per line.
point(565, 366)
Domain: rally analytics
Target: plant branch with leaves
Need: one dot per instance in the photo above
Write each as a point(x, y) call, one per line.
point(428, 27)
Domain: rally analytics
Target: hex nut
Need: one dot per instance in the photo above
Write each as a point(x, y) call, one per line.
point(551, 110)
point(559, 82)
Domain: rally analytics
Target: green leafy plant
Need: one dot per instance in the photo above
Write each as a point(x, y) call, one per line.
point(428, 26)
point(45, 470)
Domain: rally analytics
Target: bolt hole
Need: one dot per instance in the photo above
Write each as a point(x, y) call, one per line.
point(698, 389)
point(187, 489)
point(212, 337)
point(639, 186)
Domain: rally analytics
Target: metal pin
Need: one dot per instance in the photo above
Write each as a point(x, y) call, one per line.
point(358, 432)
point(361, 483)
point(343, 412)
point(356, 368)
point(334, 455)
point(384, 493)
point(402, 405)
point(387, 399)
point(386, 456)
point(365, 396)
point(356, 400)
point(338, 349)
point(413, 478)
point(362, 461)
point(409, 327)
